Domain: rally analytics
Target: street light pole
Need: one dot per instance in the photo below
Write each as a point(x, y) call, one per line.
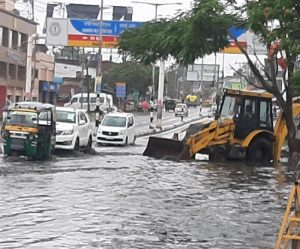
point(98, 80)
point(161, 74)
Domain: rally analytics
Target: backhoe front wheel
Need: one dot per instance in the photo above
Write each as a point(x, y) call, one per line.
point(260, 150)
point(217, 154)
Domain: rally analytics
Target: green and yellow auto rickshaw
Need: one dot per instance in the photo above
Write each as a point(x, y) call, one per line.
point(29, 130)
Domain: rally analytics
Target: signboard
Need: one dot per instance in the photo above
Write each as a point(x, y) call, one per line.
point(98, 84)
point(203, 72)
point(233, 48)
point(121, 90)
point(247, 39)
point(85, 32)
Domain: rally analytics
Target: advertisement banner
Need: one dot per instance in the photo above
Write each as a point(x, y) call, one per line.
point(85, 32)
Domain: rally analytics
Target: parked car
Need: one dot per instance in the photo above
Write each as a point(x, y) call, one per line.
point(73, 129)
point(80, 100)
point(181, 110)
point(116, 128)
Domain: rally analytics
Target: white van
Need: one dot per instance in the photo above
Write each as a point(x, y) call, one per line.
point(80, 101)
point(116, 128)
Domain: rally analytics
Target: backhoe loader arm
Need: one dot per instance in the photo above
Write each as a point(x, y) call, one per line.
point(281, 131)
point(216, 133)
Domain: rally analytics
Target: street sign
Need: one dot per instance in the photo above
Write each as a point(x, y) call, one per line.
point(120, 89)
point(98, 84)
point(92, 27)
point(86, 32)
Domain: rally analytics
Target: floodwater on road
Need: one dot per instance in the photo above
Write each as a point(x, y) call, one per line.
point(121, 199)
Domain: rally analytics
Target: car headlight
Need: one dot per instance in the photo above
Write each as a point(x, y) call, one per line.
point(122, 132)
point(67, 132)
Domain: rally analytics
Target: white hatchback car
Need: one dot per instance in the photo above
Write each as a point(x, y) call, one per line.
point(116, 128)
point(181, 110)
point(73, 129)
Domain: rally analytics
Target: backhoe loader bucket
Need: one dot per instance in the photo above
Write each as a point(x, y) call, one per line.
point(166, 148)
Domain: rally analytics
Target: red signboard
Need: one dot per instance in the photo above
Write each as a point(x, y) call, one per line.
point(92, 41)
point(2, 99)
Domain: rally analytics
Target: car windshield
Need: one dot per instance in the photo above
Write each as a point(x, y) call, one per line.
point(114, 121)
point(65, 116)
point(22, 118)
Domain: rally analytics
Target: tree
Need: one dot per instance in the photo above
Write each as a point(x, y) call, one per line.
point(277, 24)
point(205, 29)
point(187, 37)
point(137, 76)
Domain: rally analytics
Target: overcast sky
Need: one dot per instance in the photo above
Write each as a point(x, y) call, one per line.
point(141, 12)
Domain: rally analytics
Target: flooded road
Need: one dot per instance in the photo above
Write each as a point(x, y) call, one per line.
point(121, 199)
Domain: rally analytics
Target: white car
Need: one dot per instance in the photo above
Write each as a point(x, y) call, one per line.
point(181, 110)
point(116, 128)
point(73, 129)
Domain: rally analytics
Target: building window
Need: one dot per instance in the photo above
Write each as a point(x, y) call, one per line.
point(18, 98)
point(14, 39)
point(12, 71)
point(5, 37)
point(24, 42)
point(21, 73)
point(36, 74)
point(3, 70)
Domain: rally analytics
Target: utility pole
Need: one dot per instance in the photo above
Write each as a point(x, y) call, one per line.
point(98, 80)
point(30, 65)
point(32, 10)
point(161, 80)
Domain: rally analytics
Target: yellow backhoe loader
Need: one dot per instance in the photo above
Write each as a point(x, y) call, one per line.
point(243, 129)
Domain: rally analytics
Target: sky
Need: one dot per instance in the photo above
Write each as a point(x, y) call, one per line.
point(141, 12)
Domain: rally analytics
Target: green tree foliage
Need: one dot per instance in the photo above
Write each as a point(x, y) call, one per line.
point(277, 24)
point(186, 37)
point(137, 76)
point(296, 83)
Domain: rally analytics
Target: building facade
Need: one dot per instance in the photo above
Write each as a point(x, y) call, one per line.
point(14, 33)
point(44, 89)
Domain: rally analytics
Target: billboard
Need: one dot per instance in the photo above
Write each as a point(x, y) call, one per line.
point(85, 32)
point(203, 72)
point(247, 39)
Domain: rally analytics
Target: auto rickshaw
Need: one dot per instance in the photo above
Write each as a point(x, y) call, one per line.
point(29, 130)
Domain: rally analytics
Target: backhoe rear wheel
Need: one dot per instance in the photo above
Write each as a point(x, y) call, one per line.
point(260, 150)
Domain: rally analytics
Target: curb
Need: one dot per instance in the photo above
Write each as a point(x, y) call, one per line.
point(167, 128)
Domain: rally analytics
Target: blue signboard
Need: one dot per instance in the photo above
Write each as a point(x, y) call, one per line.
point(120, 91)
point(235, 32)
point(110, 28)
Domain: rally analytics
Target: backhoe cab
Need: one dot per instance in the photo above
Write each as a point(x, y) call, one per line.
point(243, 129)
